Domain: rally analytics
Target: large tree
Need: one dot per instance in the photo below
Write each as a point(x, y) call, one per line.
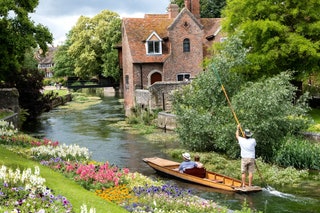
point(209, 8)
point(63, 62)
point(17, 34)
point(281, 34)
point(92, 42)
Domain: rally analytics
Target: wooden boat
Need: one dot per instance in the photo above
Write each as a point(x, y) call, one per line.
point(199, 176)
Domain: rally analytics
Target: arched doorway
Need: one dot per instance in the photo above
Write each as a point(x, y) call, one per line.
point(156, 76)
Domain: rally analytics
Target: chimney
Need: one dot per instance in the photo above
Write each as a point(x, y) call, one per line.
point(193, 6)
point(173, 10)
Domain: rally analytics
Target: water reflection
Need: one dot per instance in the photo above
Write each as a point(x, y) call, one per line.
point(91, 128)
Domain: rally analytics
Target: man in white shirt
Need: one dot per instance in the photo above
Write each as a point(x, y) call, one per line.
point(247, 145)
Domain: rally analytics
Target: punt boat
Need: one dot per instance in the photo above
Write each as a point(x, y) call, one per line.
point(199, 176)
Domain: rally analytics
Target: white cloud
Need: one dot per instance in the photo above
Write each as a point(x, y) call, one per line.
point(60, 15)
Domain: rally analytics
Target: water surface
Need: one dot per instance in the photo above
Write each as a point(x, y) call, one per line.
point(91, 128)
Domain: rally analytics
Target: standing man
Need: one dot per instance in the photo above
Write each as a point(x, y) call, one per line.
point(247, 145)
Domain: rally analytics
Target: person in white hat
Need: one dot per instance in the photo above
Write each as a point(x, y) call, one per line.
point(187, 163)
point(247, 145)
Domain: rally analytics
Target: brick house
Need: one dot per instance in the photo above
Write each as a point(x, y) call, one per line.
point(161, 52)
point(45, 62)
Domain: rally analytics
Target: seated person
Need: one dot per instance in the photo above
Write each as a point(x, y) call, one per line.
point(197, 160)
point(187, 163)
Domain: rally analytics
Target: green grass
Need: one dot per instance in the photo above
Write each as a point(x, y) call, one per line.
point(60, 184)
point(315, 114)
point(61, 92)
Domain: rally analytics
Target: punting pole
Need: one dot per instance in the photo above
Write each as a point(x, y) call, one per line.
point(233, 113)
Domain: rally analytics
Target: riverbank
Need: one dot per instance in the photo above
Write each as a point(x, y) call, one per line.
point(92, 127)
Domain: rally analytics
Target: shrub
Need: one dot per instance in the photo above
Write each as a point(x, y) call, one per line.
point(300, 153)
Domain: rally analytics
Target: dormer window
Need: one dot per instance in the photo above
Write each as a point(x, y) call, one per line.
point(154, 44)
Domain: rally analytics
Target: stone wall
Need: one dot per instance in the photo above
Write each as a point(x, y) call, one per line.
point(9, 99)
point(166, 121)
point(158, 95)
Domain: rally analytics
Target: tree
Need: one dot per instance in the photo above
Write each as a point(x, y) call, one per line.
point(208, 8)
point(92, 42)
point(17, 34)
point(281, 35)
point(63, 63)
point(206, 122)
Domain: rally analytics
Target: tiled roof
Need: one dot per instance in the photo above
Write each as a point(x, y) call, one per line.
point(138, 30)
point(48, 58)
point(211, 26)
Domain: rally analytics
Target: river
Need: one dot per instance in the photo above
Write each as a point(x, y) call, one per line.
point(91, 127)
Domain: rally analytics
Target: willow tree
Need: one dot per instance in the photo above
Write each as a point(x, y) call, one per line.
point(281, 34)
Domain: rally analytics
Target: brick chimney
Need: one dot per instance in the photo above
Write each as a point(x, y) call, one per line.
point(193, 6)
point(173, 10)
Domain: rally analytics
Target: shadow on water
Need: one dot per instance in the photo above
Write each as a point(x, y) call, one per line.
point(91, 128)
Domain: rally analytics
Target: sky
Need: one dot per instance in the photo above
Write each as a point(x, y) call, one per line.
point(61, 15)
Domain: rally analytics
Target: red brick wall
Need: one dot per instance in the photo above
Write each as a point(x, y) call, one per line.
point(128, 90)
point(179, 61)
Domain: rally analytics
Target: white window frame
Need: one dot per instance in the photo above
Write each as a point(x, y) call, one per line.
point(159, 41)
point(183, 76)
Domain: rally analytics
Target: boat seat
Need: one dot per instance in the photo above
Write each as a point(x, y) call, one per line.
point(199, 172)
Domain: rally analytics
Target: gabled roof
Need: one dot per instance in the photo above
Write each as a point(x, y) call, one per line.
point(185, 11)
point(138, 30)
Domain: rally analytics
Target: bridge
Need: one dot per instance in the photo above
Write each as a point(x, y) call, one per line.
point(77, 83)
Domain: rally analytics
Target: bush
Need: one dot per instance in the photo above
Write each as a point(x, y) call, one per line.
point(300, 153)
point(267, 107)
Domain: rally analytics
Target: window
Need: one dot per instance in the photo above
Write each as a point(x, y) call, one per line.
point(186, 45)
point(183, 77)
point(154, 47)
point(127, 82)
point(153, 44)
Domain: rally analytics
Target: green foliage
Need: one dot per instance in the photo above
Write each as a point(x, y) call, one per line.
point(29, 60)
point(299, 153)
point(208, 8)
point(315, 114)
point(281, 35)
point(17, 34)
point(29, 84)
point(91, 45)
point(268, 107)
point(64, 63)
point(201, 107)
point(271, 174)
